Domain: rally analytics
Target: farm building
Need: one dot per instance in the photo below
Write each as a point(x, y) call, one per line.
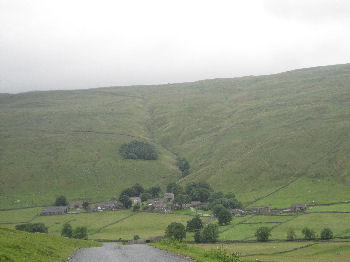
point(105, 206)
point(261, 210)
point(237, 212)
point(298, 208)
point(76, 204)
point(135, 200)
point(169, 197)
point(54, 210)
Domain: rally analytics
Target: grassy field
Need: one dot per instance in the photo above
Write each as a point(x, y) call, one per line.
point(17, 246)
point(111, 225)
point(284, 136)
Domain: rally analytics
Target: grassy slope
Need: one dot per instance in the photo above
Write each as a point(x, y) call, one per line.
point(27, 247)
point(251, 135)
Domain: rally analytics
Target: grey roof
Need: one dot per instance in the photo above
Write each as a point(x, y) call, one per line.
point(55, 209)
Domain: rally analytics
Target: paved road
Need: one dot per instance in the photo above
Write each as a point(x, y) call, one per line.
point(112, 252)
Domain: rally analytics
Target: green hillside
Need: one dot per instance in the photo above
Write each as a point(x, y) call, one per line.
point(22, 246)
point(284, 136)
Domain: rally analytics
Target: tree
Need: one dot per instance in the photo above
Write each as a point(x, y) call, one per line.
point(138, 189)
point(326, 233)
point(67, 230)
point(155, 191)
point(138, 150)
point(291, 234)
point(61, 201)
point(32, 228)
point(181, 199)
point(217, 209)
point(130, 192)
point(85, 205)
point(198, 191)
point(198, 236)
point(136, 207)
point(184, 166)
point(210, 233)
point(145, 196)
point(263, 233)
point(136, 237)
point(194, 224)
point(224, 217)
point(174, 188)
point(176, 231)
point(308, 233)
point(80, 232)
point(125, 200)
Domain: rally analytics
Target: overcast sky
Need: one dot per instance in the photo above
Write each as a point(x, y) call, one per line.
point(73, 44)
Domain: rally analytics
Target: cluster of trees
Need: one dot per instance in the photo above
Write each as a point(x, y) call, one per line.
point(61, 201)
point(78, 232)
point(33, 228)
point(137, 190)
point(263, 234)
point(138, 150)
point(202, 234)
point(183, 166)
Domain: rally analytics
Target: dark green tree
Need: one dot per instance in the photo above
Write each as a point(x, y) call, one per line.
point(326, 234)
point(138, 150)
point(85, 205)
point(80, 232)
point(130, 192)
point(194, 224)
point(224, 217)
point(198, 236)
point(176, 231)
point(263, 233)
point(210, 233)
point(32, 228)
point(217, 209)
point(61, 201)
point(138, 189)
point(183, 165)
point(174, 188)
point(155, 191)
point(136, 207)
point(145, 196)
point(125, 200)
point(308, 233)
point(67, 230)
point(181, 199)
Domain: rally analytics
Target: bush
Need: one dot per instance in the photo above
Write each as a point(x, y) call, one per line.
point(194, 224)
point(80, 233)
point(326, 233)
point(138, 150)
point(210, 233)
point(263, 233)
point(67, 230)
point(176, 231)
point(308, 233)
point(291, 234)
point(136, 207)
point(222, 255)
point(61, 201)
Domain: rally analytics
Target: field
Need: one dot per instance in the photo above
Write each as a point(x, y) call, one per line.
point(276, 140)
point(35, 247)
point(112, 225)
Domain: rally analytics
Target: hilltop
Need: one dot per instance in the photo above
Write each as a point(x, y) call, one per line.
point(276, 139)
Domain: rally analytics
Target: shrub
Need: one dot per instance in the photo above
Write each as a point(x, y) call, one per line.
point(291, 234)
point(326, 233)
point(138, 150)
point(80, 232)
point(308, 233)
point(176, 231)
point(194, 224)
point(61, 201)
point(136, 237)
point(136, 207)
point(263, 233)
point(222, 255)
point(67, 230)
point(210, 233)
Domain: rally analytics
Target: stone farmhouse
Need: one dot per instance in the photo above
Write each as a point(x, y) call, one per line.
point(135, 200)
point(76, 204)
point(54, 210)
point(105, 206)
point(238, 212)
